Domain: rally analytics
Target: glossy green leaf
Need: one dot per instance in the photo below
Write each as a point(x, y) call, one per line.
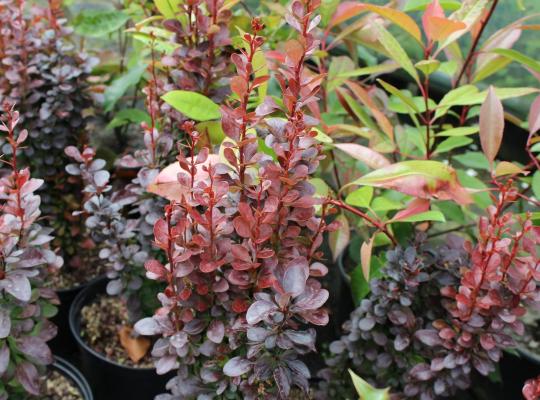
point(96, 23)
point(193, 105)
point(453, 143)
point(120, 85)
point(461, 131)
point(372, 70)
point(360, 197)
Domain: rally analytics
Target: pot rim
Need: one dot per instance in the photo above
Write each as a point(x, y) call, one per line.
point(80, 286)
point(74, 325)
point(70, 371)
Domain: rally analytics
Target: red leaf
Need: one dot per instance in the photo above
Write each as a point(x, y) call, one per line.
point(491, 125)
point(242, 227)
point(415, 207)
point(534, 116)
point(295, 50)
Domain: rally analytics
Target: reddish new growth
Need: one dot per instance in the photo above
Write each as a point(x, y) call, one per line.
point(242, 241)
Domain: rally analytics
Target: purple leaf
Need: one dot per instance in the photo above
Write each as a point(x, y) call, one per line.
point(283, 382)
point(295, 277)
point(5, 323)
point(236, 366)
point(4, 358)
point(429, 337)
point(27, 374)
point(147, 326)
point(165, 364)
point(259, 310)
point(422, 372)
point(216, 331)
point(35, 348)
point(18, 286)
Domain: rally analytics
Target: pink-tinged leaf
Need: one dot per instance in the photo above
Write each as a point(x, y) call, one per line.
point(339, 239)
point(216, 331)
point(295, 277)
point(441, 28)
point(147, 326)
point(417, 206)
point(166, 364)
point(491, 125)
point(362, 153)
point(167, 185)
point(434, 9)
point(259, 310)
point(294, 50)
point(425, 179)
point(236, 366)
point(345, 11)
point(534, 116)
point(365, 257)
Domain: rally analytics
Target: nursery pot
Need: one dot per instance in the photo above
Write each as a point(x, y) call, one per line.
point(69, 371)
point(516, 368)
point(64, 343)
point(108, 379)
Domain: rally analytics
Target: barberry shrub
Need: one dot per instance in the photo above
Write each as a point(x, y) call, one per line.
point(439, 314)
point(25, 259)
point(46, 77)
point(241, 240)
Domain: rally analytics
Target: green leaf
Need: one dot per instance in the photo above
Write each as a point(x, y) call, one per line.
point(428, 66)
point(453, 143)
point(368, 392)
point(96, 23)
point(461, 131)
point(403, 97)
point(518, 57)
point(193, 105)
point(120, 85)
point(385, 204)
point(322, 137)
point(431, 215)
point(359, 286)
point(481, 199)
point(473, 159)
point(395, 50)
point(535, 183)
point(321, 187)
point(168, 8)
point(420, 5)
point(360, 197)
point(128, 116)
point(48, 310)
point(338, 66)
point(491, 67)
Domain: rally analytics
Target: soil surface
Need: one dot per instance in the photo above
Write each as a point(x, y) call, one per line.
point(59, 387)
point(100, 324)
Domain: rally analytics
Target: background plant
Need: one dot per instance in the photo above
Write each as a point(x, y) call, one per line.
point(25, 260)
point(43, 73)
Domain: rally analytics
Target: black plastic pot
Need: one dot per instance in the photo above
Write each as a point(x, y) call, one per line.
point(69, 371)
point(64, 343)
point(108, 379)
point(516, 368)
